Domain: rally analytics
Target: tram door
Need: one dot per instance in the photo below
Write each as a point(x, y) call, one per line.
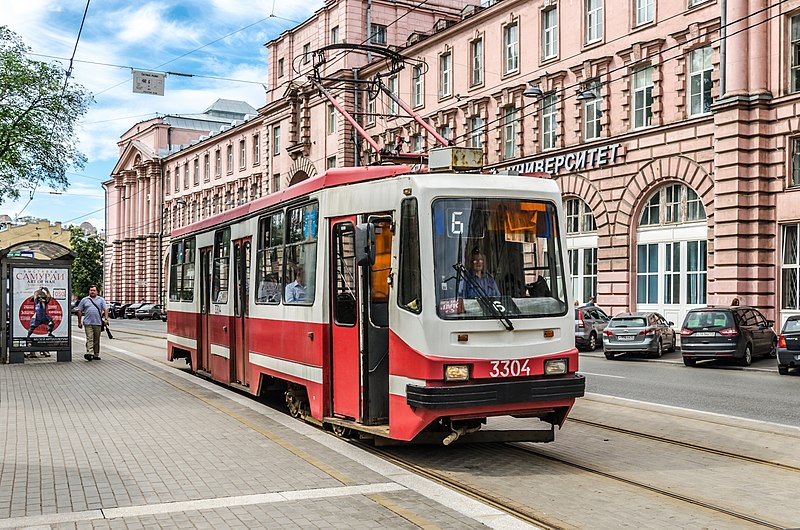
point(241, 280)
point(345, 359)
point(204, 342)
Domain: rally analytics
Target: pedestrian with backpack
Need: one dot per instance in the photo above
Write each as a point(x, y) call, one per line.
point(93, 317)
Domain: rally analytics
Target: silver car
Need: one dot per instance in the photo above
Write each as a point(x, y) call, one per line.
point(590, 321)
point(638, 333)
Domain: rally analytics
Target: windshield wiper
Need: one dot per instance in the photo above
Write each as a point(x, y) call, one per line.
point(462, 272)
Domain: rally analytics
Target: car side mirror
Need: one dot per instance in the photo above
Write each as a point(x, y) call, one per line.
point(770, 323)
point(671, 323)
point(365, 244)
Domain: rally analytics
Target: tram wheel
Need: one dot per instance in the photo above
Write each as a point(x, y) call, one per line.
point(341, 431)
point(294, 402)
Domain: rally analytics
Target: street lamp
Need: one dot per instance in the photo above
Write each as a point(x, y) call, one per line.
point(533, 90)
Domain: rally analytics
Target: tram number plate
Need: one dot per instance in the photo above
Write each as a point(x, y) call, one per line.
point(513, 368)
point(625, 337)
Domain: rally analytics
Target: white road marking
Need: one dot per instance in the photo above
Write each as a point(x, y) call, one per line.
point(601, 375)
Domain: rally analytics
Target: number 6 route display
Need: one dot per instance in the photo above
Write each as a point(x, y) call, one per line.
point(401, 334)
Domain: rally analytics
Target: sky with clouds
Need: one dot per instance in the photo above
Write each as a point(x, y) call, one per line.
point(213, 38)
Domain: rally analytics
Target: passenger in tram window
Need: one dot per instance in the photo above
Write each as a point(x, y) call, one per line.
point(477, 282)
point(296, 291)
point(269, 290)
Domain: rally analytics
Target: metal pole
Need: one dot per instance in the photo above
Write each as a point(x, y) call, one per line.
point(346, 114)
point(441, 139)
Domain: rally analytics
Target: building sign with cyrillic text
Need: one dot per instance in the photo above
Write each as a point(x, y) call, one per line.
point(593, 158)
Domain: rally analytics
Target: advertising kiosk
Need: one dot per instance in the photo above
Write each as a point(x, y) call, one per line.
point(35, 299)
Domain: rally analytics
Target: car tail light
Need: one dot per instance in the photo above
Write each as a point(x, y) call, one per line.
point(781, 342)
point(608, 333)
point(685, 332)
point(581, 325)
point(729, 332)
point(645, 332)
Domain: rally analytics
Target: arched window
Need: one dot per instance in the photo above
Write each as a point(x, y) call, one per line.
point(581, 248)
point(672, 204)
point(671, 252)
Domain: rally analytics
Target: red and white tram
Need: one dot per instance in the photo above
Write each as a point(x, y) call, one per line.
point(405, 306)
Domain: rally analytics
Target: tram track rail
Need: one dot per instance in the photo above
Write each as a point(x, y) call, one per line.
point(686, 445)
point(654, 489)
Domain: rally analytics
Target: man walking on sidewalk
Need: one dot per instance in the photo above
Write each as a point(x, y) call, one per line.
point(93, 313)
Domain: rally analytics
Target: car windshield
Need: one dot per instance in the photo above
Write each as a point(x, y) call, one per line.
point(497, 259)
point(791, 326)
point(628, 322)
point(708, 319)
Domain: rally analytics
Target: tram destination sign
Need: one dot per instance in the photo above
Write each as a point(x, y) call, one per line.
point(594, 158)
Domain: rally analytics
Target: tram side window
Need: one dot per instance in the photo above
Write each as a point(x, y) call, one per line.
point(219, 281)
point(181, 271)
point(409, 294)
point(300, 268)
point(270, 259)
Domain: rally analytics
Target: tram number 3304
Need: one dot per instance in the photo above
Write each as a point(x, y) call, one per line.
point(513, 368)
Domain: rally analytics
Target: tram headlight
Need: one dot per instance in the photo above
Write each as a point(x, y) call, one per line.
point(555, 366)
point(456, 372)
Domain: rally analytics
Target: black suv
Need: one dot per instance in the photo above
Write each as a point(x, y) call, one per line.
point(736, 332)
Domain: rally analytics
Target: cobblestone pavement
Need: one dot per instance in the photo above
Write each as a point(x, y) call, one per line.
point(127, 443)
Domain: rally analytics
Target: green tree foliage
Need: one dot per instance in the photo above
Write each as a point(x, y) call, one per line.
point(87, 269)
point(39, 109)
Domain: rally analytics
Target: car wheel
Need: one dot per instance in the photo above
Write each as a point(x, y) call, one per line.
point(609, 355)
point(747, 358)
point(689, 361)
point(773, 350)
point(674, 344)
point(783, 370)
point(592, 342)
point(659, 349)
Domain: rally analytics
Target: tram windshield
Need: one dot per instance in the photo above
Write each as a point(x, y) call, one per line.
point(497, 259)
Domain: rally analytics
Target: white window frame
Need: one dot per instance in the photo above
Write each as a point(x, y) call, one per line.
point(218, 163)
point(276, 140)
point(700, 68)
point(417, 86)
point(196, 171)
point(794, 54)
point(446, 75)
point(335, 35)
point(790, 267)
point(330, 162)
point(550, 33)
point(475, 133)
point(306, 53)
point(549, 121)
point(509, 133)
point(393, 89)
point(331, 119)
point(593, 21)
point(645, 12)
point(642, 97)
point(476, 62)
point(592, 127)
point(280, 67)
point(377, 34)
point(229, 154)
point(511, 48)
point(242, 154)
point(370, 111)
point(206, 168)
point(256, 149)
point(416, 143)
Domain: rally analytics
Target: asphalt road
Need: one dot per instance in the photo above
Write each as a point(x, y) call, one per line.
point(757, 392)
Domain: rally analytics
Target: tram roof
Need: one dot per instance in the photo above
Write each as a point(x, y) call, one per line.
point(330, 179)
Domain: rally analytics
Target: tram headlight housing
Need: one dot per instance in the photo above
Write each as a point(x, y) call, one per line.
point(456, 372)
point(555, 366)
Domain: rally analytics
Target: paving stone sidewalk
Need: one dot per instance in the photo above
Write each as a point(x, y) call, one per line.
point(123, 443)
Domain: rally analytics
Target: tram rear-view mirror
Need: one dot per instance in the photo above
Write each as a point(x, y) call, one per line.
point(365, 244)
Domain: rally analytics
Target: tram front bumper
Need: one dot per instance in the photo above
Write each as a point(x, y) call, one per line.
point(498, 393)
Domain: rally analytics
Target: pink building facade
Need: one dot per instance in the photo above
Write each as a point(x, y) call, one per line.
point(670, 126)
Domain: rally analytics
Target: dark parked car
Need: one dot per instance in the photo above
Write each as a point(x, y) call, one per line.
point(638, 333)
point(589, 325)
point(737, 332)
point(114, 309)
point(789, 345)
point(151, 312)
point(130, 311)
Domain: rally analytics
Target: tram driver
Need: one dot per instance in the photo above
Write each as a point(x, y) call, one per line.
point(477, 282)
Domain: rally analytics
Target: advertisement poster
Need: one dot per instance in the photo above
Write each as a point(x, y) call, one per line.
point(40, 307)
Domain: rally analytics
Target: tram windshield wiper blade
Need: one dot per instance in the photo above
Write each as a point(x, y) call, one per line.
point(482, 296)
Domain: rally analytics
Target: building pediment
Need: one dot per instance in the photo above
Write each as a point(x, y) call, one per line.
point(133, 152)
